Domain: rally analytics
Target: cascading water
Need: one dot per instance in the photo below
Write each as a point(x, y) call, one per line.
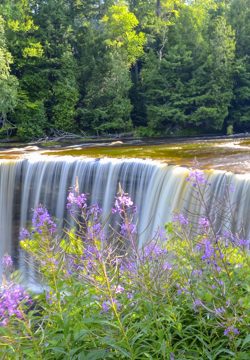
point(157, 189)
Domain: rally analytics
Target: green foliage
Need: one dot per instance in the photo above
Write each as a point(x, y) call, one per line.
point(185, 298)
point(178, 90)
point(8, 82)
point(66, 94)
point(240, 109)
point(107, 104)
point(31, 118)
point(230, 130)
point(100, 67)
point(120, 27)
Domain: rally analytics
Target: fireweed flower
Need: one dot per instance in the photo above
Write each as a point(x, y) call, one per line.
point(79, 201)
point(231, 331)
point(94, 212)
point(153, 250)
point(130, 296)
point(244, 243)
point(7, 262)
point(167, 266)
point(123, 203)
point(197, 177)
point(207, 249)
point(41, 218)
point(182, 290)
point(180, 219)
point(204, 223)
point(105, 306)
point(128, 266)
point(11, 298)
point(70, 200)
point(24, 234)
point(127, 229)
point(197, 273)
point(219, 311)
point(91, 252)
point(197, 304)
point(119, 289)
point(95, 230)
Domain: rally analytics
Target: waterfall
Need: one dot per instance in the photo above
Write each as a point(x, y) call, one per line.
point(156, 188)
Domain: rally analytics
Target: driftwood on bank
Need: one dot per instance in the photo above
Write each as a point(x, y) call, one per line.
point(58, 135)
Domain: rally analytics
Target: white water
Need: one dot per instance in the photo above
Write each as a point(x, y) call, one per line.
point(157, 189)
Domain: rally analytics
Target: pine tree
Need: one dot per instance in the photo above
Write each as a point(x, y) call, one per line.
point(240, 110)
point(8, 82)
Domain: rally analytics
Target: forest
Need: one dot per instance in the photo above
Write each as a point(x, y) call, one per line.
point(150, 68)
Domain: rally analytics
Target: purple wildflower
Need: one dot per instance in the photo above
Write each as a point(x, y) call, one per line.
point(70, 200)
point(94, 230)
point(197, 304)
point(181, 219)
point(24, 234)
point(94, 211)
point(197, 273)
point(204, 223)
point(130, 296)
point(197, 177)
point(181, 290)
point(128, 266)
point(208, 251)
point(219, 311)
point(127, 229)
point(167, 266)
point(79, 201)
point(119, 289)
point(7, 262)
point(91, 253)
point(231, 331)
point(153, 250)
point(221, 282)
point(207, 248)
point(123, 203)
point(11, 298)
point(41, 218)
point(244, 243)
point(105, 306)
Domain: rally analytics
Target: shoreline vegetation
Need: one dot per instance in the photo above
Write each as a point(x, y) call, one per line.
point(151, 68)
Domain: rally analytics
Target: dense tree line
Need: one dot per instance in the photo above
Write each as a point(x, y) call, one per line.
point(154, 67)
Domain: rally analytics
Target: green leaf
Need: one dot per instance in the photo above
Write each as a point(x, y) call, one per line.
point(246, 341)
point(93, 355)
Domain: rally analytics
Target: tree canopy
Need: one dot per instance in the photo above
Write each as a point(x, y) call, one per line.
point(155, 67)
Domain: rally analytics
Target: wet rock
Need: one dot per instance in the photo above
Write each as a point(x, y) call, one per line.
point(116, 143)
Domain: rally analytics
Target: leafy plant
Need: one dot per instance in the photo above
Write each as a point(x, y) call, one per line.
point(184, 296)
